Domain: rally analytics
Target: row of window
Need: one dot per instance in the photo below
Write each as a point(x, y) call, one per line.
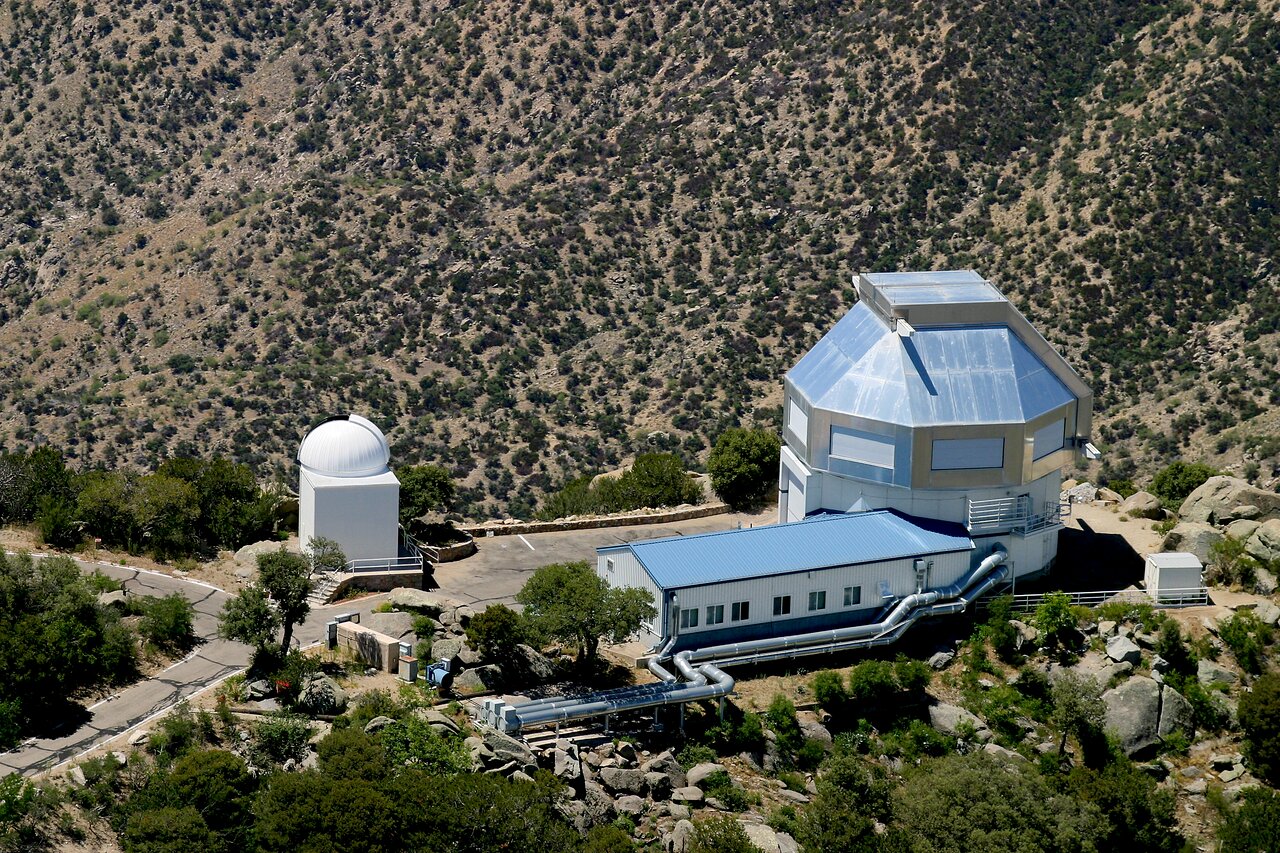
point(740, 611)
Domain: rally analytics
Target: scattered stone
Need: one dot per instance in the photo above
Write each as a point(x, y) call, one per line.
point(678, 841)
point(1175, 715)
point(256, 690)
point(377, 724)
point(1231, 775)
point(1210, 672)
point(1264, 581)
point(699, 772)
point(140, 737)
point(1210, 624)
point(629, 804)
point(622, 781)
point(1196, 788)
point(690, 795)
point(1159, 665)
point(77, 777)
point(658, 785)
point(787, 844)
point(941, 660)
point(121, 758)
point(487, 677)
point(1002, 753)
point(1222, 761)
point(1145, 640)
point(1027, 634)
point(665, 762)
point(1234, 792)
point(626, 751)
point(1106, 628)
point(792, 796)
point(1108, 496)
point(320, 694)
point(816, 731)
point(1082, 494)
point(1142, 505)
point(438, 721)
point(117, 599)
point(521, 776)
point(678, 812)
point(1267, 613)
point(1242, 529)
point(448, 649)
point(600, 807)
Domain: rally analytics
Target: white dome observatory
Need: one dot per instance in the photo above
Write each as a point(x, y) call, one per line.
point(346, 490)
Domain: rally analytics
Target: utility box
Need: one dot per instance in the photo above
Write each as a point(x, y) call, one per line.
point(409, 668)
point(1173, 577)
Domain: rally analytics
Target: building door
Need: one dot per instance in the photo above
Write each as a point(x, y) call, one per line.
point(795, 501)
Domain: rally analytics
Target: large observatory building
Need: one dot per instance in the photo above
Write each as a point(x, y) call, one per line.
point(924, 438)
point(935, 397)
point(347, 492)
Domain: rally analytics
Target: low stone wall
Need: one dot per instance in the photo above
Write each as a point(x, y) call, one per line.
point(377, 582)
point(369, 646)
point(449, 553)
point(595, 522)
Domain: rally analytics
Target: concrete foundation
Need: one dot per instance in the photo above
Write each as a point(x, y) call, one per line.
point(375, 649)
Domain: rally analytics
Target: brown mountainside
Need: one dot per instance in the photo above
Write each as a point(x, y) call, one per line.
point(532, 238)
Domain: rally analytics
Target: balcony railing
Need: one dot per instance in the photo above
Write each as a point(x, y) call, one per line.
point(1014, 515)
point(1194, 596)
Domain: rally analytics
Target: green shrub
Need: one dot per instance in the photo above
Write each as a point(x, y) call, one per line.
point(1259, 715)
point(495, 632)
point(872, 681)
point(781, 718)
point(1248, 637)
point(695, 753)
point(1254, 823)
point(1173, 483)
point(168, 622)
point(918, 739)
point(912, 675)
point(276, 738)
point(828, 689)
point(1055, 620)
point(810, 754)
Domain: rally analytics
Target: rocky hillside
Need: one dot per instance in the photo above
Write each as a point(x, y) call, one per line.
point(531, 238)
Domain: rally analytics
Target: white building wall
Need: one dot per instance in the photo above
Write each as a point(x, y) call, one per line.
point(361, 516)
point(620, 568)
point(760, 592)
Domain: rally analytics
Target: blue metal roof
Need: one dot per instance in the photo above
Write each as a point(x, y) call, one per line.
point(820, 542)
point(943, 375)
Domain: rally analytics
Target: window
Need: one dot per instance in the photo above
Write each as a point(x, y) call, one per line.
point(741, 611)
point(608, 563)
point(688, 618)
point(953, 454)
point(818, 600)
point(781, 605)
point(797, 421)
point(852, 595)
point(715, 614)
point(1049, 439)
point(865, 447)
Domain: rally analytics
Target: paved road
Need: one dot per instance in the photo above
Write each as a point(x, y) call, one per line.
point(503, 563)
point(212, 660)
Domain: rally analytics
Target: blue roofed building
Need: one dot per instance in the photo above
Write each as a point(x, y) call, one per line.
point(826, 571)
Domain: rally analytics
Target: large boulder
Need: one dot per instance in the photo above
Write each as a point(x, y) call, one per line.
point(1133, 714)
point(117, 599)
point(1142, 505)
point(1264, 544)
point(1196, 537)
point(762, 837)
point(1268, 613)
point(1218, 498)
point(396, 624)
point(448, 649)
point(1175, 714)
point(320, 694)
point(530, 666)
point(421, 600)
point(506, 748)
point(1242, 528)
point(1210, 673)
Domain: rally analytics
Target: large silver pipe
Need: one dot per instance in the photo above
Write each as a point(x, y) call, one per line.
point(674, 694)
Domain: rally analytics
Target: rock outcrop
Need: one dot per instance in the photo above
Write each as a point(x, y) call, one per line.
point(1195, 537)
point(1143, 505)
point(1221, 500)
point(1142, 712)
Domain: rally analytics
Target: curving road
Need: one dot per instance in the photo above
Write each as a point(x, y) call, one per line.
point(211, 661)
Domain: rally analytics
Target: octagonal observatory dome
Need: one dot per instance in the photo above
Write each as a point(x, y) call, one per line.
point(345, 446)
point(934, 349)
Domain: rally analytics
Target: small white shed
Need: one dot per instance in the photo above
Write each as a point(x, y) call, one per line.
point(1174, 575)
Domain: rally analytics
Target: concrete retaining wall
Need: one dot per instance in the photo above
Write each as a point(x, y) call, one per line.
point(369, 646)
point(377, 582)
point(595, 522)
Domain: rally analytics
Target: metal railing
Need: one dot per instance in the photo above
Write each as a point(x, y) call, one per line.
point(382, 564)
point(1166, 598)
point(1015, 514)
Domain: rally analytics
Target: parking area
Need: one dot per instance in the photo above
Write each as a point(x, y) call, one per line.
point(497, 571)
